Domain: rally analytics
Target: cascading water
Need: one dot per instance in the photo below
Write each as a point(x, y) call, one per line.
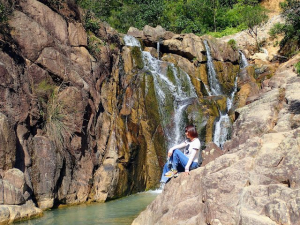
point(223, 125)
point(212, 75)
point(176, 93)
point(131, 41)
point(158, 48)
point(244, 63)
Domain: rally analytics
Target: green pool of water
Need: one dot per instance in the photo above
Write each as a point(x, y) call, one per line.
point(120, 211)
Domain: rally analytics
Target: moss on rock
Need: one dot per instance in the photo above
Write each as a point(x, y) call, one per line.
point(226, 74)
point(137, 56)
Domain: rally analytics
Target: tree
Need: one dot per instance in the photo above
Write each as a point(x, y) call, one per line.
point(290, 43)
point(253, 16)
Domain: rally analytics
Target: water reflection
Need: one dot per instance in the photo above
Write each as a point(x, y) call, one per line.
point(122, 211)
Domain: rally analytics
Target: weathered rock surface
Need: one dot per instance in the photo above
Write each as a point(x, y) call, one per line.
point(72, 121)
point(246, 42)
point(256, 181)
point(7, 144)
point(10, 213)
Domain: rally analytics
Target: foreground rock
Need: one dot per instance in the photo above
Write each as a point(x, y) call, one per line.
point(11, 213)
point(257, 180)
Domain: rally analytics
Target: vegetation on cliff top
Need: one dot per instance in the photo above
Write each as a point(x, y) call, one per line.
point(221, 17)
point(291, 41)
point(289, 45)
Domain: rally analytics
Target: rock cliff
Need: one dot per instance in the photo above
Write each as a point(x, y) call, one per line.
point(74, 126)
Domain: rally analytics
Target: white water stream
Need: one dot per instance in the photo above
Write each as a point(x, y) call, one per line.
point(244, 63)
point(223, 125)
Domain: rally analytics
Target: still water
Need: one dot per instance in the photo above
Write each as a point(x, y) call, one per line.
point(121, 211)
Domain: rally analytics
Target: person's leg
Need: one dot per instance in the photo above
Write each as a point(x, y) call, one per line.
point(165, 170)
point(179, 160)
point(194, 166)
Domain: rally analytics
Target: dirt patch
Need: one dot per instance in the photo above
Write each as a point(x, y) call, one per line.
point(272, 6)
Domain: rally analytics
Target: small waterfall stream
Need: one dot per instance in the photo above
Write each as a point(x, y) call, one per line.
point(175, 92)
point(244, 63)
point(212, 75)
point(223, 125)
point(158, 48)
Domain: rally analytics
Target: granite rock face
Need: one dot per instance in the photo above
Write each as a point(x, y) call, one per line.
point(7, 143)
point(72, 122)
point(256, 180)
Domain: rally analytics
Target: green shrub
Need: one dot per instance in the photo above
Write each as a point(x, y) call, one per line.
point(91, 23)
point(228, 31)
point(289, 45)
point(5, 11)
point(232, 43)
point(2, 13)
point(58, 126)
point(94, 45)
point(297, 67)
point(276, 29)
point(45, 86)
point(180, 16)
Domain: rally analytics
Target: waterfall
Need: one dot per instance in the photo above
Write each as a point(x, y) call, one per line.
point(174, 93)
point(244, 62)
point(131, 41)
point(230, 99)
point(158, 46)
point(212, 75)
point(223, 125)
point(170, 94)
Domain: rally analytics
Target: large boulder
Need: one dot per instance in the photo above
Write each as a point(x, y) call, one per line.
point(77, 35)
point(30, 35)
point(47, 18)
point(10, 213)
point(190, 46)
point(12, 187)
point(45, 171)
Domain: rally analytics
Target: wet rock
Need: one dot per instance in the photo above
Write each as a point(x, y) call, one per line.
point(221, 51)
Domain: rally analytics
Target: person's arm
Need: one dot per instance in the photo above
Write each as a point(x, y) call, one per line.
point(181, 145)
point(192, 156)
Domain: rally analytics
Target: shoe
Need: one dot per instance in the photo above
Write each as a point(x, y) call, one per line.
point(171, 173)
